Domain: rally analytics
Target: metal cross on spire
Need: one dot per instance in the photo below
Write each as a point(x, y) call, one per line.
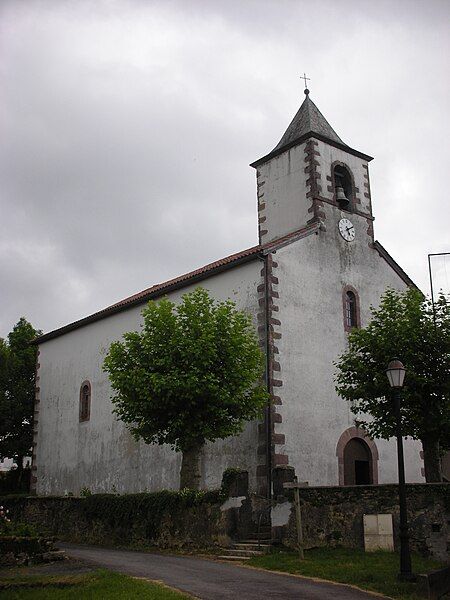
point(306, 85)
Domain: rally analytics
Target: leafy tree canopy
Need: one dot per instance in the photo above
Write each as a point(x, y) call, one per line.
point(190, 375)
point(403, 327)
point(17, 381)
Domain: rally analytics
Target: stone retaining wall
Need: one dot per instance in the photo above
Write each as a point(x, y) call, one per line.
point(128, 520)
point(333, 516)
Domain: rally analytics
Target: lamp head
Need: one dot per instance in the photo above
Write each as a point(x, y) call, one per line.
point(396, 373)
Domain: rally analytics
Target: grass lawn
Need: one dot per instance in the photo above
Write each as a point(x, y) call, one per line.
point(375, 571)
point(99, 584)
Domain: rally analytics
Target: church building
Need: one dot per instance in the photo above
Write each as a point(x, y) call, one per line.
point(312, 278)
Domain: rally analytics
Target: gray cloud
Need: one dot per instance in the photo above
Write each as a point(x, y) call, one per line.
point(128, 128)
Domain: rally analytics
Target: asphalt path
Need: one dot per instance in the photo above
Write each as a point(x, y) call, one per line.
point(212, 579)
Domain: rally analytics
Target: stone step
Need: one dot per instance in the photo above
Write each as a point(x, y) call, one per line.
point(255, 532)
point(250, 546)
point(262, 530)
point(236, 552)
point(53, 555)
point(254, 536)
point(234, 558)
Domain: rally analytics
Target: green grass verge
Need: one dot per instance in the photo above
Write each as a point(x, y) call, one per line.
point(100, 584)
point(374, 571)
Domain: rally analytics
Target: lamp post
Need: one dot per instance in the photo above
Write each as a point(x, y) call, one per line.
point(396, 374)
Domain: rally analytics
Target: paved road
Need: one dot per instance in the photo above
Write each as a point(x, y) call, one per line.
point(211, 579)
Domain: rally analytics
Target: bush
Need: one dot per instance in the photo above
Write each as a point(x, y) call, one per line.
point(10, 528)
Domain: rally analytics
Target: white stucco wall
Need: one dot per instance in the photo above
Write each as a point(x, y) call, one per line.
point(312, 273)
point(284, 186)
point(100, 454)
point(282, 181)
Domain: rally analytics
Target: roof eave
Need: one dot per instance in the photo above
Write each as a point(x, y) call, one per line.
point(394, 265)
point(302, 139)
point(125, 305)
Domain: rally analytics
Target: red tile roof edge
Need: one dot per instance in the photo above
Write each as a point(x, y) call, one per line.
point(394, 264)
point(199, 274)
point(176, 283)
point(156, 290)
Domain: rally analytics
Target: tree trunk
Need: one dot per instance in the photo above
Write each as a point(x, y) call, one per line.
point(431, 460)
point(190, 468)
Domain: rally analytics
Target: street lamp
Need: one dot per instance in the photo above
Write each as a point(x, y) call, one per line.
point(396, 374)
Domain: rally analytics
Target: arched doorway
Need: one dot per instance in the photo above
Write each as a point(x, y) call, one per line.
point(357, 463)
point(357, 458)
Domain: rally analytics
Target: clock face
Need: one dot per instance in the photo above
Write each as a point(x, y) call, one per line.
point(347, 230)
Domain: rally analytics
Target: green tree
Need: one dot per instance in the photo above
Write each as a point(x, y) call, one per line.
point(405, 327)
point(189, 376)
point(17, 382)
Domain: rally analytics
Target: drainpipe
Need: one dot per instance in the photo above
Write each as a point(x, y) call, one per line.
point(268, 379)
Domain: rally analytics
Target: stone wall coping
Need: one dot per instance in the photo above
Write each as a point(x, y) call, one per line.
point(303, 490)
point(380, 486)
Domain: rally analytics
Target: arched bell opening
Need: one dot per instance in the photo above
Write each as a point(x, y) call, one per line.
point(343, 187)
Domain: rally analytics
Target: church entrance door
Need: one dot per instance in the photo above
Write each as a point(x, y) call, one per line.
point(357, 463)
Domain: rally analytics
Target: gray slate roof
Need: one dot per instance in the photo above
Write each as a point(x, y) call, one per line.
point(308, 119)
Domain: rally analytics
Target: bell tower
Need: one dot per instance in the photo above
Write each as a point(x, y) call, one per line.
point(312, 175)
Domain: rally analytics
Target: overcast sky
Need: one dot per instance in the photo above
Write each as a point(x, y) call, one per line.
point(127, 128)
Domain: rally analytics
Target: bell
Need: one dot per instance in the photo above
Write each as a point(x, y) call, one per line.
point(341, 197)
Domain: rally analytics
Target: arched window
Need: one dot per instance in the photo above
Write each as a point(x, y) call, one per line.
point(350, 307)
point(85, 401)
point(357, 458)
point(343, 187)
point(350, 310)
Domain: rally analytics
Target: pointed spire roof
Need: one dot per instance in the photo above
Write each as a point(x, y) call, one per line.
point(308, 122)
